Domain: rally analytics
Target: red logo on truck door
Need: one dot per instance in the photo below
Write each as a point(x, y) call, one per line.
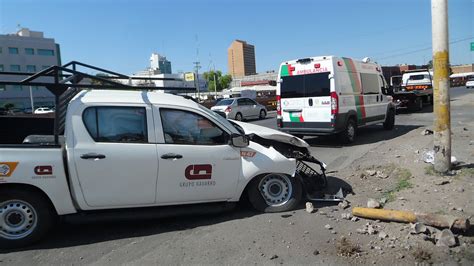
point(198, 172)
point(44, 170)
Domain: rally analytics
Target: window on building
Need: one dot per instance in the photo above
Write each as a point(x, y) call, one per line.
point(29, 51)
point(116, 124)
point(30, 68)
point(15, 68)
point(46, 52)
point(13, 50)
point(1, 68)
point(1, 50)
point(17, 87)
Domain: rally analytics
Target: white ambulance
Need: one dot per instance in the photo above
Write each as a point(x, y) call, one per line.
point(332, 95)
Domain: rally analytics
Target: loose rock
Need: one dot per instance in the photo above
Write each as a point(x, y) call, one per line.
point(446, 238)
point(344, 204)
point(371, 203)
point(316, 252)
point(309, 207)
point(441, 182)
point(371, 172)
point(426, 132)
point(346, 216)
point(354, 219)
point(381, 174)
point(274, 257)
point(329, 227)
point(383, 235)
point(418, 228)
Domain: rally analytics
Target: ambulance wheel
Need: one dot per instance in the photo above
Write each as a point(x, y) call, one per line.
point(263, 114)
point(238, 117)
point(348, 135)
point(275, 193)
point(25, 217)
point(389, 122)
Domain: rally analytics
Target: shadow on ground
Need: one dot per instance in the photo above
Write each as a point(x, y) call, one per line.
point(365, 135)
point(76, 233)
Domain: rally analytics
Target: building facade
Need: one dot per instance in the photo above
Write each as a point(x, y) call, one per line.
point(462, 68)
point(241, 59)
point(26, 51)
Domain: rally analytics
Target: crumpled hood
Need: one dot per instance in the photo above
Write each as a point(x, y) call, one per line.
point(271, 134)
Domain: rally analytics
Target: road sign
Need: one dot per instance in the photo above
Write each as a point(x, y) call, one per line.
point(189, 76)
point(472, 46)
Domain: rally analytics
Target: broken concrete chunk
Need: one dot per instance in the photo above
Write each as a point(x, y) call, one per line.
point(346, 216)
point(381, 174)
point(446, 238)
point(354, 219)
point(371, 172)
point(418, 228)
point(383, 235)
point(371, 230)
point(371, 203)
point(426, 132)
point(329, 227)
point(383, 200)
point(309, 207)
point(344, 204)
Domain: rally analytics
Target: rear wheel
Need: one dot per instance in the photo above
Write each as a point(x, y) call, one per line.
point(238, 117)
point(389, 122)
point(263, 114)
point(348, 135)
point(25, 217)
point(275, 193)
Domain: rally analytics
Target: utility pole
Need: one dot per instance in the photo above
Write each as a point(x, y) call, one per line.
point(197, 66)
point(442, 119)
point(31, 101)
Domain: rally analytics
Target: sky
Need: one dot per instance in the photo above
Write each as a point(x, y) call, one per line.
point(120, 35)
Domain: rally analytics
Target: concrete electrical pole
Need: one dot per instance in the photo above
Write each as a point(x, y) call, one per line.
point(442, 119)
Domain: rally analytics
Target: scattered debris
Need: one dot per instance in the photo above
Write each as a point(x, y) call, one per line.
point(383, 200)
point(316, 252)
point(339, 196)
point(274, 257)
point(446, 238)
point(371, 172)
point(465, 129)
point(454, 161)
point(333, 232)
point(371, 203)
point(309, 207)
point(417, 228)
point(346, 248)
point(344, 204)
point(441, 182)
point(329, 227)
point(286, 215)
point(426, 132)
point(346, 216)
point(437, 220)
point(381, 174)
point(428, 157)
point(383, 235)
point(354, 219)
point(421, 255)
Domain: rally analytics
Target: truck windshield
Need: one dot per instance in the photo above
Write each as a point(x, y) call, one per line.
point(311, 85)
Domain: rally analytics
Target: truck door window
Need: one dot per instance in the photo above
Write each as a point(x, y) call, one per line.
point(182, 127)
point(116, 124)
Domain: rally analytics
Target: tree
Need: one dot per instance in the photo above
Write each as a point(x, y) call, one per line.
point(9, 106)
point(430, 64)
point(222, 81)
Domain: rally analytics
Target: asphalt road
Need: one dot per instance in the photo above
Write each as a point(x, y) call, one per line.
point(241, 236)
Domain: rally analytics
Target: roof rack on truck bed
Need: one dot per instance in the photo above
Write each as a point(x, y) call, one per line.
point(65, 81)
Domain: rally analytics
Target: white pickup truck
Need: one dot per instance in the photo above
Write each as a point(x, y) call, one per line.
point(125, 150)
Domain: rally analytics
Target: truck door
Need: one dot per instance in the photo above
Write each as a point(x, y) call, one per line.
point(196, 161)
point(115, 161)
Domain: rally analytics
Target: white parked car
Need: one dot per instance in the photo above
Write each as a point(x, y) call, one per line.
point(470, 83)
point(44, 110)
point(241, 108)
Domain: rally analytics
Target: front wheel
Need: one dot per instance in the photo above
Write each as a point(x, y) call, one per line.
point(25, 217)
point(275, 193)
point(263, 114)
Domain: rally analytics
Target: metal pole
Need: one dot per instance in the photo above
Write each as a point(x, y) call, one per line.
point(31, 101)
point(442, 119)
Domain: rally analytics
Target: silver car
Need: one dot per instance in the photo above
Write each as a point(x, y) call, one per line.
point(240, 108)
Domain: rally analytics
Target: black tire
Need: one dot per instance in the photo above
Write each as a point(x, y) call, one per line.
point(389, 122)
point(348, 135)
point(238, 117)
point(269, 181)
point(263, 114)
point(25, 208)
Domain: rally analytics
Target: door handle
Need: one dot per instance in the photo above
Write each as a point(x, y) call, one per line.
point(92, 156)
point(310, 101)
point(171, 156)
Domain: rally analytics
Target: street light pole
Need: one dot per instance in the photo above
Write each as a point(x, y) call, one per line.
point(31, 100)
point(442, 119)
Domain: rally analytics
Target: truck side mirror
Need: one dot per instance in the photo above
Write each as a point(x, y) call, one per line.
point(239, 141)
point(272, 83)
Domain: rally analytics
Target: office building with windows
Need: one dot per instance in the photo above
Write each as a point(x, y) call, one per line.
point(241, 59)
point(26, 51)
